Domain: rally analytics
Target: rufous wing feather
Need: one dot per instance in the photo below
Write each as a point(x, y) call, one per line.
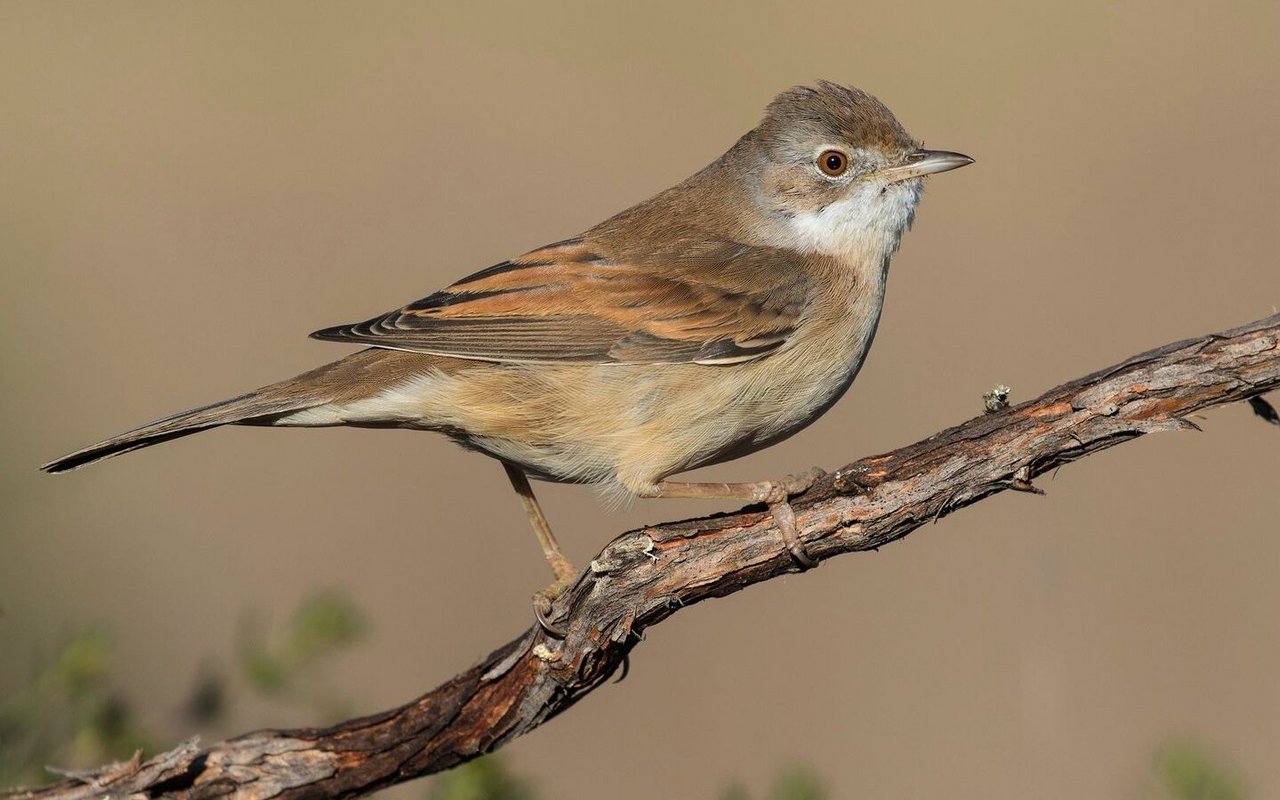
point(576, 302)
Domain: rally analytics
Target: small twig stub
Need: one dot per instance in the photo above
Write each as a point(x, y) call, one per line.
point(996, 398)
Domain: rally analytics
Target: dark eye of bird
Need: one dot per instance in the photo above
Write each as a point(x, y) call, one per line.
point(833, 163)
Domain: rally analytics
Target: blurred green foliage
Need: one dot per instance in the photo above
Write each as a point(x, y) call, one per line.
point(322, 625)
point(485, 778)
point(1185, 770)
point(70, 714)
point(67, 714)
point(793, 783)
point(289, 667)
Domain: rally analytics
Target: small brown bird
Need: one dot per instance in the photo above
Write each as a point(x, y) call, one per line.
point(712, 320)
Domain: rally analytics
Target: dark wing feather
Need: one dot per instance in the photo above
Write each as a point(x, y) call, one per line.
point(571, 303)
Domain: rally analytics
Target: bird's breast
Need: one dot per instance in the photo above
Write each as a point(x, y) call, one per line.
point(818, 367)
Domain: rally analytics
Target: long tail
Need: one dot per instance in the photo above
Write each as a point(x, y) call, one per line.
point(265, 406)
point(250, 407)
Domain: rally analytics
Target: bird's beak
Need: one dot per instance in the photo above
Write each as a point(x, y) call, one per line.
point(924, 162)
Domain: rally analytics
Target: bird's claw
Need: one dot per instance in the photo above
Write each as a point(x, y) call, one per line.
point(542, 602)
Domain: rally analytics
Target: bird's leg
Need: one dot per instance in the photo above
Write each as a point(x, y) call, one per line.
point(560, 565)
point(563, 569)
point(774, 494)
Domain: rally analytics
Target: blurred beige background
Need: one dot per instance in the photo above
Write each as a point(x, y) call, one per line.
point(189, 189)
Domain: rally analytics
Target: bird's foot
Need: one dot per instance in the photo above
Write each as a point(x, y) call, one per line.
point(780, 491)
point(546, 596)
point(774, 494)
point(777, 496)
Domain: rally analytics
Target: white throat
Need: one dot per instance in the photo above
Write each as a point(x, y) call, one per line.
point(866, 224)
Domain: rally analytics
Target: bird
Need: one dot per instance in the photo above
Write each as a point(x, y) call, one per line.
point(714, 319)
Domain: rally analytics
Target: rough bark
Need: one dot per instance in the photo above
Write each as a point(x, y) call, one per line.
point(644, 576)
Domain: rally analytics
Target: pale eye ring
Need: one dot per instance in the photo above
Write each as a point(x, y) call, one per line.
point(833, 163)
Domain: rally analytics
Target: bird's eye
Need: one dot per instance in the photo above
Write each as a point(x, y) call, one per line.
point(833, 163)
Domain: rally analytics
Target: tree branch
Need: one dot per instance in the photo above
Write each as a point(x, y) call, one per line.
point(644, 576)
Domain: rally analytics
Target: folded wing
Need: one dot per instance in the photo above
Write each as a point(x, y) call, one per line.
point(574, 302)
